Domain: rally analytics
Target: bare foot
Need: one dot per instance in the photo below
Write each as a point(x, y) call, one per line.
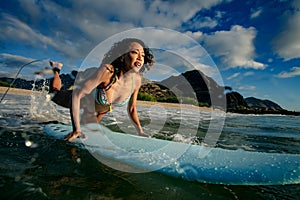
point(73, 135)
point(57, 65)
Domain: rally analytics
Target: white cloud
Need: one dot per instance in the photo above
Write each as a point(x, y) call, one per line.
point(15, 30)
point(10, 65)
point(75, 28)
point(4, 57)
point(235, 47)
point(75, 31)
point(287, 43)
point(256, 13)
point(32, 8)
point(97, 15)
point(246, 88)
point(202, 22)
point(249, 74)
point(295, 71)
point(233, 76)
point(195, 35)
point(179, 11)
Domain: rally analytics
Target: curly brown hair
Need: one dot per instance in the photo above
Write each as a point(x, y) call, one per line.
point(115, 56)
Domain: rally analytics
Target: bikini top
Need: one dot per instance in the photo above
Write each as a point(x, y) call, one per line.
point(101, 97)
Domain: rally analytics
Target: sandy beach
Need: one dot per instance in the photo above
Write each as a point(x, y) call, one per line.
point(173, 105)
point(24, 92)
point(16, 91)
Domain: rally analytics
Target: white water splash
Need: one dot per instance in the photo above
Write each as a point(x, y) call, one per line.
point(43, 109)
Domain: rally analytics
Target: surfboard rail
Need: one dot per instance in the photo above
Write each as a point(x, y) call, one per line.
point(203, 164)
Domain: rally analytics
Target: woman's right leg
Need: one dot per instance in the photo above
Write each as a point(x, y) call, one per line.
point(61, 97)
point(55, 84)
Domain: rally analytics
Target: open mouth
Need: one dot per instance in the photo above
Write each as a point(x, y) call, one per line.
point(137, 64)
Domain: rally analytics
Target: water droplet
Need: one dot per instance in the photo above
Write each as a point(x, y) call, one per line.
point(28, 143)
point(17, 178)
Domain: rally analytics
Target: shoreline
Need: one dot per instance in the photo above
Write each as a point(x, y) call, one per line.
point(175, 105)
point(24, 92)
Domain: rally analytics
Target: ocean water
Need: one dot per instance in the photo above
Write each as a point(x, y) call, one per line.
point(36, 166)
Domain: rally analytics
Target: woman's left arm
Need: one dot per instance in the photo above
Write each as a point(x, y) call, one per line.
point(132, 111)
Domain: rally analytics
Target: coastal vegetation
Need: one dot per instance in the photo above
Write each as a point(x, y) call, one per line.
point(5, 84)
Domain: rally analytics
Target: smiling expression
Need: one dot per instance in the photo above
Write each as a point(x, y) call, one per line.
point(134, 60)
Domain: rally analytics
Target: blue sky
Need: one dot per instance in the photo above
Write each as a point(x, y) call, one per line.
point(254, 44)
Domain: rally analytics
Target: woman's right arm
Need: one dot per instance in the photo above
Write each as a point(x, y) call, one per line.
point(89, 85)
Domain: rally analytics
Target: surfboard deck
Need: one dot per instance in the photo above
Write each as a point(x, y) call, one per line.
point(203, 164)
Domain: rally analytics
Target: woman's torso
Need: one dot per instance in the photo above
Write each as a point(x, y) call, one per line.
point(118, 93)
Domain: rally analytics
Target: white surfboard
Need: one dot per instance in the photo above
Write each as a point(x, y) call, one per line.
point(190, 162)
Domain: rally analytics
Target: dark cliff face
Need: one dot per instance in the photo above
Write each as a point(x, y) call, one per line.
point(189, 84)
point(259, 104)
point(195, 84)
point(235, 101)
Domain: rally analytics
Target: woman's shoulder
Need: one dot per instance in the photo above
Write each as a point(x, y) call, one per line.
point(107, 68)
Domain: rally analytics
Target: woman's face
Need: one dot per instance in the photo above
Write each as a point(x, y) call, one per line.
point(134, 59)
